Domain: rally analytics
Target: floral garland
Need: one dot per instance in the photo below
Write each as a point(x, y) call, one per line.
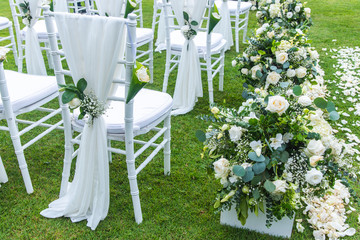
point(278, 150)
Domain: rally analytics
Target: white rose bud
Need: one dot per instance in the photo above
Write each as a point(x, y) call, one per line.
point(307, 12)
point(245, 71)
point(277, 104)
point(304, 101)
point(74, 103)
point(215, 110)
point(257, 90)
point(289, 15)
point(290, 73)
point(281, 186)
point(314, 55)
point(233, 63)
point(313, 177)
point(224, 127)
point(300, 72)
point(271, 34)
point(142, 74)
point(297, 9)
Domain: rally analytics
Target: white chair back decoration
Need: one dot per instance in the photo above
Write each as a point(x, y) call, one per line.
point(159, 19)
point(224, 26)
point(88, 194)
point(60, 5)
point(112, 8)
point(34, 59)
point(188, 82)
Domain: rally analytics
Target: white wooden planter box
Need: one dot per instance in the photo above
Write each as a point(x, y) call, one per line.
point(280, 228)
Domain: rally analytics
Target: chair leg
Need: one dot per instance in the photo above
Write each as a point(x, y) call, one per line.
point(11, 32)
point(237, 34)
point(167, 149)
point(151, 62)
point(21, 56)
point(3, 176)
point(221, 73)
point(167, 71)
point(210, 80)
point(15, 138)
point(109, 152)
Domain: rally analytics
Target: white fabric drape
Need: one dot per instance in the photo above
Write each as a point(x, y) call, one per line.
point(3, 176)
point(188, 82)
point(92, 48)
point(224, 26)
point(60, 6)
point(33, 56)
point(111, 7)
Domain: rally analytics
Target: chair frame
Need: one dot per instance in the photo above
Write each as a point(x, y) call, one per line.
point(239, 23)
point(12, 125)
point(212, 65)
point(11, 37)
point(130, 132)
point(16, 14)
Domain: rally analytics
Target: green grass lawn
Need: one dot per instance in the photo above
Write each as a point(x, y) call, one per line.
point(178, 206)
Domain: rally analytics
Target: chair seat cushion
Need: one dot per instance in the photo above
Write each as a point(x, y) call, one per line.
point(177, 40)
point(143, 35)
point(40, 28)
point(149, 106)
point(4, 22)
point(25, 89)
point(232, 5)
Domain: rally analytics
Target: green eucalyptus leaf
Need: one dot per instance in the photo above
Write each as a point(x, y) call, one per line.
point(256, 194)
point(259, 74)
point(297, 90)
point(81, 85)
point(186, 16)
point(269, 186)
point(286, 65)
point(239, 171)
point(330, 106)
point(68, 96)
point(249, 175)
point(320, 102)
point(334, 116)
point(259, 167)
point(254, 157)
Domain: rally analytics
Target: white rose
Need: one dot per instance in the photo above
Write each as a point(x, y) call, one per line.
point(233, 63)
point(185, 29)
point(314, 55)
point(221, 168)
point(271, 34)
point(26, 21)
point(273, 78)
point(300, 72)
point(313, 176)
point(281, 57)
point(277, 104)
point(284, 45)
point(281, 186)
point(274, 10)
point(259, 31)
point(257, 147)
point(142, 74)
point(258, 14)
point(315, 147)
point(315, 159)
point(289, 15)
point(235, 133)
point(255, 58)
point(245, 71)
point(297, 9)
point(74, 103)
point(307, 12)
point(299, 31)
point(277, 1)
point(304, 101)
point(215, 110)
point(254, 69)
point(290, 73)
point(3, 52)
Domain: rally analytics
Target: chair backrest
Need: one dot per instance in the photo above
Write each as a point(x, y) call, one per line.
point(129, 62)
point(79, 6)
point(16, 14)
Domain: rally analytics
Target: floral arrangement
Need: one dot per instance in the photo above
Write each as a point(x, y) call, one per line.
point(130, 7)
point(76, 97)
point(3, 52)
point(214, 17)
point(285, 13)
point(278, 152)
point(26, 13)
point(187, 30)
point(139, 79)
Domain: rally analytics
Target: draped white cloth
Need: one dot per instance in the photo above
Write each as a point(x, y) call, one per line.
point(3, 176)
point(188, 82)
point(33, 56)
point(60, 6)
point(224, 26)
point(92, 48)
point(113, 8)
